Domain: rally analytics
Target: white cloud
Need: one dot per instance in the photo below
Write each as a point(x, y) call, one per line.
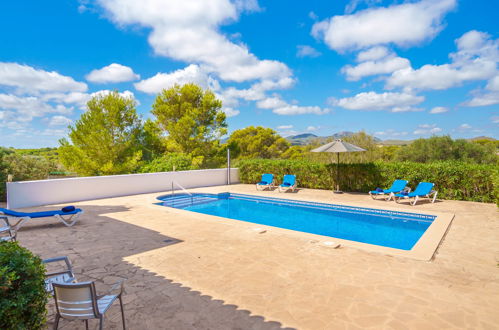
point(53, 132)
point(256, 92)
point(271, 103)
point(190, 74)
point(293, 109)
point(24, 109)
point(29, 79)
point(77, 98)
point(353, 4)
point(247, 5)
point(493, 84)
point(126, 94)
point(436, 110)
point(383, 66)
point(483, 100)
point(488, 97)
point(285, 127)
point(372, 101)
point(464, 126)
point(312, 128)
point(475, 59)
point(373, 54)
point(81, 99)
point(427, 129)
point(281, 107)
point(230, 112)
point(189, 31)
point(59, 121)
point(112, 73)
point(495, 119)
point(401, 24)
point(307, 51)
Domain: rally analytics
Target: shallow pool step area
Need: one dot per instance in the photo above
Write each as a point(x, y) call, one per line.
point(180, 201)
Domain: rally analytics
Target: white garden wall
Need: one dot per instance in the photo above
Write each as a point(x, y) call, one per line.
point(44, 192)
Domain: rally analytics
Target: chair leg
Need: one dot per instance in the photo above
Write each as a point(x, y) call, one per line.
point(86, 324)
point(101, 322)
point(122, 313)
point(56, 322)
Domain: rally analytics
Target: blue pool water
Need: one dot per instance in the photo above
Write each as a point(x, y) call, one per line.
point(398, 230)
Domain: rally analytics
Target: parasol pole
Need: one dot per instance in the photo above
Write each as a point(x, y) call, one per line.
point(338, 173)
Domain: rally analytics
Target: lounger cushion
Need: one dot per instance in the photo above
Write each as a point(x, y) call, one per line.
point(43, 214)
point(423, 189)
point(266, 179)
point(67, 209)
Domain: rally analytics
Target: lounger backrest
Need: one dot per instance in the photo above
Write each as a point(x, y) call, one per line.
point(268, 178)
point(289, 179)
point(398, 185)
point(76, 300)
point(10, 212)
point(424, 188)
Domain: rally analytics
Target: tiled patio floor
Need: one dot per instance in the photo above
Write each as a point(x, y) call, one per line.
point(190, 271)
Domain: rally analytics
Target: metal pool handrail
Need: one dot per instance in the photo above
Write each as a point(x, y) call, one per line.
point(183, 189)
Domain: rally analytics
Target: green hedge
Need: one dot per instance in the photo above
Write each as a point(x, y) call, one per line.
point(22, 288)
point(453, 180)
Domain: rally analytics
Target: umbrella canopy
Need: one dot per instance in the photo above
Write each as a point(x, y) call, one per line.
point(338, 146)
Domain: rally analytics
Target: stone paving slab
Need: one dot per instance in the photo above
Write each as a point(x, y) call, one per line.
point(190, 271)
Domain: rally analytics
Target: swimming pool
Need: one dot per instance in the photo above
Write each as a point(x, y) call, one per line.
point(399, 230)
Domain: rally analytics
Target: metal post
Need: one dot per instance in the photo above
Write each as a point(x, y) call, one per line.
point(228, 166)
point(338, 173)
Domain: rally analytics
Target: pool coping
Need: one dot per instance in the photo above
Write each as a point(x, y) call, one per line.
point(423, 250)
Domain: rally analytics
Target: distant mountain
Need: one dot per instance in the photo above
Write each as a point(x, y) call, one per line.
point(341, 135)
point(488, 138)
point(309, 138)
point(303, 139)
point(303, 136)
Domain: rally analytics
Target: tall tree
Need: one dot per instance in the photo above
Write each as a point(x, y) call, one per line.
point(257, 142)
point(445, 148)
point(192, 120)
point(106, 138)
point(152, 142)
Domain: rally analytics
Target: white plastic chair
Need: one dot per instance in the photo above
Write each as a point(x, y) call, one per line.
point(79, 301)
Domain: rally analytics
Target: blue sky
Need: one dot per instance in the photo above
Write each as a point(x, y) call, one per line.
point(397, 69)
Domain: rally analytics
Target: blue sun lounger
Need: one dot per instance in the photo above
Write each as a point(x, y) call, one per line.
point(67, 215)
point(288, 182)
point(424, 189)
point(397, 187)
point(266, 182)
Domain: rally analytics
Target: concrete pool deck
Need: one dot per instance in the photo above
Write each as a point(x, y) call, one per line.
point(185, 270)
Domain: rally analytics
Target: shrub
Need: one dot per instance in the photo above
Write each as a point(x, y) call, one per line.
point(166, 163)
point(3, 171)
point(22, 167)
point(22, 290)
point(453, 180)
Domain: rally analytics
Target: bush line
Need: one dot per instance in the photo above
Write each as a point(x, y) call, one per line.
point(453, 180)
